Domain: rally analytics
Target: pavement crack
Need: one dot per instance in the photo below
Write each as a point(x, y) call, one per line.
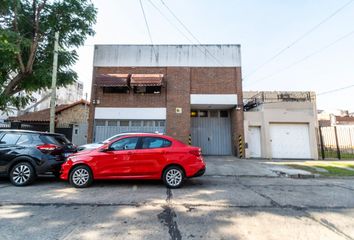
point(168, 217)
point(328, 225)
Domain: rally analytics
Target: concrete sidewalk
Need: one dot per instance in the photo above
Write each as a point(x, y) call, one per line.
point(232, 166)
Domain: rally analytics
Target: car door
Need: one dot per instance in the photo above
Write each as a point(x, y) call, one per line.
point(150, 158)
point(116, 160)
point(8, 149)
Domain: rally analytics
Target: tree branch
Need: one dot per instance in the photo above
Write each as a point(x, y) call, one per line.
point(15, 24)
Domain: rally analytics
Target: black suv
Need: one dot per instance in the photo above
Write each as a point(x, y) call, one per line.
point(26, 154)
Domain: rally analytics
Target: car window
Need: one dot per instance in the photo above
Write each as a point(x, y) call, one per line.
point(55, 139)
point(24, 139)
point(113, 137)
point(153, 142)
point(10, 138)
point(125, 144)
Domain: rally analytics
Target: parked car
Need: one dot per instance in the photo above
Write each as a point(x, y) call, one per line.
point(136, 156)
point(95, 145)
point(25, 154)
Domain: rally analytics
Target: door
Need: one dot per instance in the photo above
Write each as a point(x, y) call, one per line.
point(254, 142)
point(150, 158)
point(211, 130)
point(290, 141)
point(117, 160)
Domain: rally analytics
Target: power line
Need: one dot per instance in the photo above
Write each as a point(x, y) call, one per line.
point(335, 90)
point(300, 38)
point(190, 32)
point(306, 57)
point(148, 28)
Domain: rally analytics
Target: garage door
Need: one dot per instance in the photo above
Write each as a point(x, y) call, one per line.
point(290, 141)
point(211, 131)
point(107, 128)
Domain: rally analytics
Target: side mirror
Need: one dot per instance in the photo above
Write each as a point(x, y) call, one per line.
point(105, 148)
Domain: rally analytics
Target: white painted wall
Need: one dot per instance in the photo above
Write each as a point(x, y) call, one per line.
point(214, 99)
point(219, 55)
point(130, 113)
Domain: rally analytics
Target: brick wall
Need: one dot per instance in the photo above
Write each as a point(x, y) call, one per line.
point(74, 115)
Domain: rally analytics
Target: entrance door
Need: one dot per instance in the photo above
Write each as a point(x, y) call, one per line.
point(211, 130)
point(254, 142)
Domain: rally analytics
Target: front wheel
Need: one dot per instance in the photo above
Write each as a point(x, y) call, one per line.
point(81, 177)
point(173, 177)
point(22, 174)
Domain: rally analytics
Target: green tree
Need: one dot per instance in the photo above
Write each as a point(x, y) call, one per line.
point(27, 30)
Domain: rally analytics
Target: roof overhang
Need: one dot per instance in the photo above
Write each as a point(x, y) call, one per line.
point(143, 80)
point(112, 80)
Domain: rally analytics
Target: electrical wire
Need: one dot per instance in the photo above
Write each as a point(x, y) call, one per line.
point(148, 28)
point(304, 58)
point(191, 34)
point(299, 38)
point(335, 90)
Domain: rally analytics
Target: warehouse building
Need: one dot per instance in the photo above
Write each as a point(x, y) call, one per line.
point(190, 92)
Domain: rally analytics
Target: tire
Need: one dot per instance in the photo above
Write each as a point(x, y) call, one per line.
point(22, 174)
point(81, 177)
point(173, 177)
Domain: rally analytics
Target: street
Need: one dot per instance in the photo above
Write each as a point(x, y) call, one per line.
point(226, 203)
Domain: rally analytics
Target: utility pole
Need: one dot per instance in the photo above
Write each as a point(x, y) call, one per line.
point(54, 84)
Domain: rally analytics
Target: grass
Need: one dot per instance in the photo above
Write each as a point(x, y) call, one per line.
point(330, 153)
point(333, 169)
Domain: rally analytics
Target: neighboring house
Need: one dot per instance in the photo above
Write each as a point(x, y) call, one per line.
point(65, 115)
point(335, 118)
point(185, 91)
point(281, 125)
point(41, 100)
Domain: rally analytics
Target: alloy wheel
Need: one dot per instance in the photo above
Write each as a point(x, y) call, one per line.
point(174, 177)
point(80, 177)
point(21, 174)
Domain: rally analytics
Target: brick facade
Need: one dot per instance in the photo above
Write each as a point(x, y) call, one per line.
point(179, 83)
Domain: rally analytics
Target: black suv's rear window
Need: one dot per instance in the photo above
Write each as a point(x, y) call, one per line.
point(55, 139)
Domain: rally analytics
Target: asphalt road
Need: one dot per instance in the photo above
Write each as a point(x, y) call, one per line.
point(215, 206)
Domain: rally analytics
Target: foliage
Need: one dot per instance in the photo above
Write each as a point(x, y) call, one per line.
point(27, 40)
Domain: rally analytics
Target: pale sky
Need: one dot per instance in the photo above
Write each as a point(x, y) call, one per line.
point(323, 60)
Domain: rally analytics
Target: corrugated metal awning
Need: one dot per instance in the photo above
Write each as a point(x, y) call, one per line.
point(112, 80)
point(141, 80)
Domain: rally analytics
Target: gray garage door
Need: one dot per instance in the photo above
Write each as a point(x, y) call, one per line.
point(211, 131)
point(107, 128)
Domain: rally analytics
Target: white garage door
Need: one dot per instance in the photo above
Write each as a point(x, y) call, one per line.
point(290, 140)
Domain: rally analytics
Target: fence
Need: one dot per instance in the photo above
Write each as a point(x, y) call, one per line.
point(67, 130)
point(336, 142)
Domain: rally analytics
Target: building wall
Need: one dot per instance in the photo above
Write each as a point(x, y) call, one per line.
point(74, 115)
point(290, 112)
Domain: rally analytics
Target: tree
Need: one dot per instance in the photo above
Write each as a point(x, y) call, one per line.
point(27, 30)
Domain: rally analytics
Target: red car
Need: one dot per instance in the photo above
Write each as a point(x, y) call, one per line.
point(135, 156)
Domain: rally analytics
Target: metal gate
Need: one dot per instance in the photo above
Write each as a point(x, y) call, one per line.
point(336, 142)
point(80, 134)
point(211, 130)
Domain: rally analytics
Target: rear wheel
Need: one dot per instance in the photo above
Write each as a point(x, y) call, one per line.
point(81, 177)
point(173, 177)
point(22, 174)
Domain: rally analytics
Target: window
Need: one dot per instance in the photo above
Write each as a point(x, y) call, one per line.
point(55, 139)
point(159, 123)
point(152, 142)
point(147, 89)
point(136, 123)
point(224, 114)
point(112, 123)
point(124, 144)
point(203, 113)
point(100, 122)
point(124, 123)
point(148, 123)
point(24, 139)
point(10, 138)
point(214, 114)
point(115, 90)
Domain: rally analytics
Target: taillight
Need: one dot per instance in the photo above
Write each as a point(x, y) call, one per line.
point(196, 152)
point(47, 147)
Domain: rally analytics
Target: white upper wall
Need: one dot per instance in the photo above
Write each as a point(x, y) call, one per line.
point(221, 55)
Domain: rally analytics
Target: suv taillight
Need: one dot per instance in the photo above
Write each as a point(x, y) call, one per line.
point(196, 152)
point(47, 147)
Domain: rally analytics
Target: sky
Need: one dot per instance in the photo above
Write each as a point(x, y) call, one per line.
point(322, 60)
